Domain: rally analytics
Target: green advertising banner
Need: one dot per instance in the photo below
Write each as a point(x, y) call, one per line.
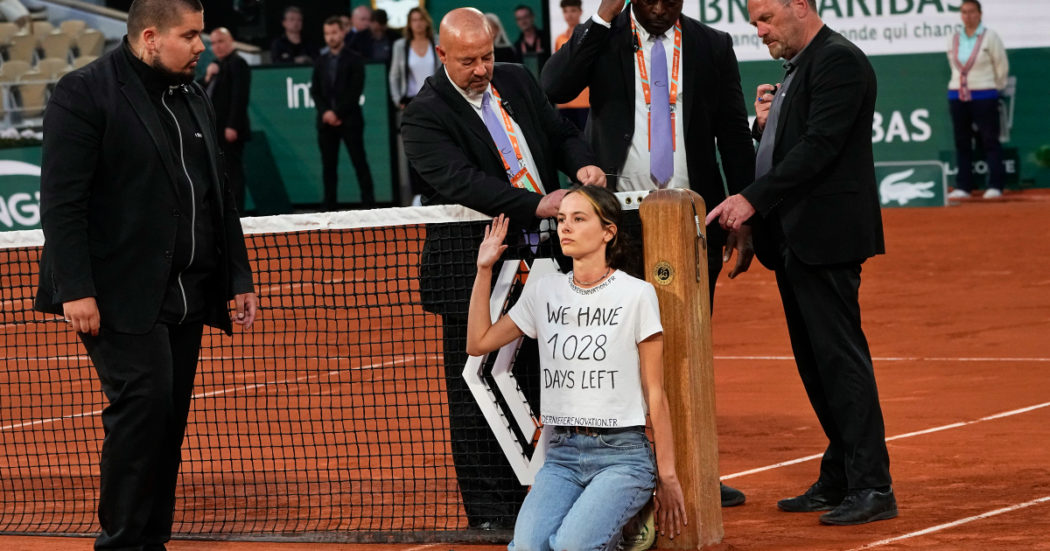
point(283, 113)
point(911, 184)
point(979, 168)
point(20, 188)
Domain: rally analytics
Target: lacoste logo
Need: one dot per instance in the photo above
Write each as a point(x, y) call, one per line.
point(198, 134)
point(895, 188)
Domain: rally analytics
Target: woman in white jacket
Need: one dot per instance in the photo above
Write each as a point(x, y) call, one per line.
point(979, 70)
point(413, 58)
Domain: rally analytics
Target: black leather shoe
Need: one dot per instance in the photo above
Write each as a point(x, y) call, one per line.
point(819, 497)
point(731, 497)
point(862, 506)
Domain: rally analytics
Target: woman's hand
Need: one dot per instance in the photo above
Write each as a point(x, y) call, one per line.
point(492, 246)
point(670, 506)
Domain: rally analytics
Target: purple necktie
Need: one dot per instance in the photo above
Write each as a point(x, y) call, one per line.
point(661, 152)
point(498, 133)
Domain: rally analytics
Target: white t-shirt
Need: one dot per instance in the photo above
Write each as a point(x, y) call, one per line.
point(588, 342)
point(419, 68)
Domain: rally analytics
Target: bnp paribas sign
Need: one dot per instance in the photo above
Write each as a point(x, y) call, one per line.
point(911, 184)
point(20, 189)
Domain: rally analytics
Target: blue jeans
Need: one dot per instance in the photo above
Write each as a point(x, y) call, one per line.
point(586, 491)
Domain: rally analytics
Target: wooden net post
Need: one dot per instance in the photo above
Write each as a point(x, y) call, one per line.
point(675, 243)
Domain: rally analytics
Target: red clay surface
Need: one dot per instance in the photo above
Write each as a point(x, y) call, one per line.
point(958, 317)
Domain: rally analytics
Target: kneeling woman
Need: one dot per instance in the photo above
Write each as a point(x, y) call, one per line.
point(601, 351)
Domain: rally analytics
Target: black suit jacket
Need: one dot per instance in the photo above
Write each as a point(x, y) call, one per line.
point(108, 198)
point(362, 42)
point(349, 85)
point(229, 95)
point(821, 193)
point(448, 144)
point(713, 104)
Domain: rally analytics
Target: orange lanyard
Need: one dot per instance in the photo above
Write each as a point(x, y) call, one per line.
point(522, 179)
point(674, 80)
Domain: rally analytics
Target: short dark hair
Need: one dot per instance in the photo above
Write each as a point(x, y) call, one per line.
point(974, 2)
point(571, 4)
point(333, 20)
point(291, 9)
point(524, 7)
point(162, 14)
point(379, 16)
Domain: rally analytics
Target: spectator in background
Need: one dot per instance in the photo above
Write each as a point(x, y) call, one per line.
point(414, 59)
point(338, 81)
point(979, 70)
point(377, 42)
point(360, 20)
point(292, 47)
point(503, 47)
point(532, 39)
point(228, 81)
point(577, 109)
point(348, 23)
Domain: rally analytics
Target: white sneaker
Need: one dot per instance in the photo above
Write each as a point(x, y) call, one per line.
point(992, 193)
point(959, 194)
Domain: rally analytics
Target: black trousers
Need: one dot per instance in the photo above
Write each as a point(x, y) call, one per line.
point(984, 113)
point(148, 381)
point(234, 153)
point(490, 490)
point(831, 352)
point(328, 137)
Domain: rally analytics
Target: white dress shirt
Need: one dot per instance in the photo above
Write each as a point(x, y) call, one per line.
point(634, 175)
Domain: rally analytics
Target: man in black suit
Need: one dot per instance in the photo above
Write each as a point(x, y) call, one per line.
point(377, 42)
point(532, 39)
point(814, 206)
point(143, 248)
point(338, 81)
point(228, 82)
point(484, 136)
point(702, 108)
point(291, 46)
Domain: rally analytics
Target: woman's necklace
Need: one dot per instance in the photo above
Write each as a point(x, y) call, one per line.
point(589, 283)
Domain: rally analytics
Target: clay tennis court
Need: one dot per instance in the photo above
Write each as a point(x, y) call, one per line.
point(958, 318)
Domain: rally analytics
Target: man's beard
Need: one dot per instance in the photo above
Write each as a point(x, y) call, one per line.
point(475, 94)
point(172, 76)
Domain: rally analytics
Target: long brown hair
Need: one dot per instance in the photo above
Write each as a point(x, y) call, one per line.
point(429, 33)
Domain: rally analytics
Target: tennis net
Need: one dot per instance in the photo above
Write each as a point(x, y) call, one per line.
point(328, 421)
